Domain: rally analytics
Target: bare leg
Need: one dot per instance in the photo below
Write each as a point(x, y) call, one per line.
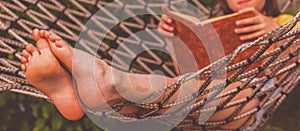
point(45, 73)
point(107, 79)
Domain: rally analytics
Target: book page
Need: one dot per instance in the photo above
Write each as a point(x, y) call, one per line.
point(196, 21)
point(190, 18)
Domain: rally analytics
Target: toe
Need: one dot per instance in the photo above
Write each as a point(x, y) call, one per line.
point(30, 48)
point(23, 67)
point(43, 45)
point(54, 37)
point(47, 34)
point(63, 53)
point(24, 60)
point(35, 34)
point(26, 54)
point(60, 43)
point(34, 53)
point(42, 33)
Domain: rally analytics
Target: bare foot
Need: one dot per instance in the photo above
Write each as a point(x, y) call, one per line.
point(94, 89)
point(45, 73)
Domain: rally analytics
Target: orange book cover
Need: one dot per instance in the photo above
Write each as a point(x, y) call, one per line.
point(187, 44)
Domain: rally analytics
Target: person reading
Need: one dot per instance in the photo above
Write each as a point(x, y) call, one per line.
point(48, 67)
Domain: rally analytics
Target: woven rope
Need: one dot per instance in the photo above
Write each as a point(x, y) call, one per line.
point(67, 18)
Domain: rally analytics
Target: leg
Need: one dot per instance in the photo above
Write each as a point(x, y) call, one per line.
point(106, 81)
point(44, 72)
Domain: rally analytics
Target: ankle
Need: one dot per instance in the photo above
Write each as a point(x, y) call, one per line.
point(112, 79)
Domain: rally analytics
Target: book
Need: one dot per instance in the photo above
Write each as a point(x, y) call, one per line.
point(197, 43)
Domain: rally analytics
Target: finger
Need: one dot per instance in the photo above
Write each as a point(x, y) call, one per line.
point(165, 33)
point(160, 24)
point(168, 28)
point(248, 21)
point(252, 36)
point(166, 19)
point(249, 29)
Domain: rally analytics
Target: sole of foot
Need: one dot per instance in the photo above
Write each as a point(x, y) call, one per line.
point(44, 72)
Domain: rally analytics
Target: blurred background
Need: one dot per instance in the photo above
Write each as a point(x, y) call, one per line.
point(25, 113)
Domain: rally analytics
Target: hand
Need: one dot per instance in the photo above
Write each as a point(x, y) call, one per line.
point(256, 26)
point(165, 25)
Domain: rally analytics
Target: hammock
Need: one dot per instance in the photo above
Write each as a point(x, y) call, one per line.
point(18, 18)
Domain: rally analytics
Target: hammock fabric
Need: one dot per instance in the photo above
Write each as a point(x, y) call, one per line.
point(18, 18)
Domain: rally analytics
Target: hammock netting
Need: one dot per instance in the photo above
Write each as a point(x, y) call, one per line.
point(67, 19)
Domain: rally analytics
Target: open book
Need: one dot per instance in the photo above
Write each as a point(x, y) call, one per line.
point(195, 38)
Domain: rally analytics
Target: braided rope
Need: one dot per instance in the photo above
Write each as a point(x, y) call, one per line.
point(15, 34)
point(273, 61)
